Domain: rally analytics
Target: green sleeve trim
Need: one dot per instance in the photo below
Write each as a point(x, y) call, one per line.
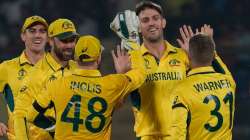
point(136, 99)
point(9, 97)
point(217, 67)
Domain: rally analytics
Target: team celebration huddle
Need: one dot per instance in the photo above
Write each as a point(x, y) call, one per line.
point(182, 92)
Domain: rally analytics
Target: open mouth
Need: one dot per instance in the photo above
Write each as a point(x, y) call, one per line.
point(37, 42)
point(152, 30)
point(68, 52)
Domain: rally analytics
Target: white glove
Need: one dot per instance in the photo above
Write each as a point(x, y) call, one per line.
point(126, 25)
point(129, 45)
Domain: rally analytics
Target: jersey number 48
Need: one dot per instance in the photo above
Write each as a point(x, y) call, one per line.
point(75, 102)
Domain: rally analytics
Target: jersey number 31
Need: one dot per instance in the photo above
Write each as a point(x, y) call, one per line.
point(215, 112)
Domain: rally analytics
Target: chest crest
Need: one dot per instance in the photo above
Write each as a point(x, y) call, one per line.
point(52, 78)
point(147, 64)
point(21, 74)
point(174, 62)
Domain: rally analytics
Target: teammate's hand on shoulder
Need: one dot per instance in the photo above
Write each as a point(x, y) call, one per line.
point(121, 60)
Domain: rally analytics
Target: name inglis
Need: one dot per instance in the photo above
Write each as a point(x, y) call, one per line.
point(86, 87)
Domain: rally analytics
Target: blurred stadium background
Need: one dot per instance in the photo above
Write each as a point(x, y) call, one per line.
point(229, 18)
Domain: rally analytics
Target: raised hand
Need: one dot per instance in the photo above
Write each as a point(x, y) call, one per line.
point(186, 33)
point(121, 60)
point(206, 29)
point(126, 26)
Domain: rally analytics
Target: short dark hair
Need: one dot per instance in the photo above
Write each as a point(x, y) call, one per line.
point(201, 49)
point(148, 4)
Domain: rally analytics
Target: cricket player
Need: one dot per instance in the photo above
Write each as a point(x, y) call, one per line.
point(12, 72)
point(203, 103)
point(62, 38)
point(84, 100)
point(166, 66)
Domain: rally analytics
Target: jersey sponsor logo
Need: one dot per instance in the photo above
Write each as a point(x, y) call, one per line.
point(23, 89)
point(146, 62)
point(174, 62)
point(86, 87)
point(84, 50)
point(176, 100)
point(21, 74)
point(164, 76)
point(67, 25)
point(52, 78)
point(212, 85)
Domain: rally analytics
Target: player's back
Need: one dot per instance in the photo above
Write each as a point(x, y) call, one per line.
point(84, 104)
point(210, 99)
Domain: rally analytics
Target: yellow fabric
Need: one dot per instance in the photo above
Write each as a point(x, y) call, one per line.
point(133, 45)
point(61, 26)
point(90, 46)
point(151, 102)
point(153, 137)
point(12, 73)
point(205, 99)
point(30, 20)
point(46, 70)
point(89, 99)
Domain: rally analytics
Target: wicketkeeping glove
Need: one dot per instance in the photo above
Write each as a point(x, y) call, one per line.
point(126, 25)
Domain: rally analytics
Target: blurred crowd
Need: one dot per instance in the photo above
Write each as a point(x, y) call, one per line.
point(229, 18)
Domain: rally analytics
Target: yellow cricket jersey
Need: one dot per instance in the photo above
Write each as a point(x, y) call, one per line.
point(203, 106)
point(46, 70)
point(151, 116)
point(12, 73)
point(84, 102)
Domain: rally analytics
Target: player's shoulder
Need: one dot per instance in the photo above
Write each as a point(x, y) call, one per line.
point(11, 62)
point(114, 76)
point(185, 83)
point(176, 50)
point(184, 86)
point(72, 64)
point(115, 80)
point(227, 77)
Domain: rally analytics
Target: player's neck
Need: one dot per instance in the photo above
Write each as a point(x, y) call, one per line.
point(63, 63)
point(155, 48)
point(194, 65)
point(87, 66)
point(32, 56)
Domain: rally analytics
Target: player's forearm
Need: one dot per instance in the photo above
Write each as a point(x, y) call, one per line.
point(138, 72)
point(20, 129)
point(178, 124)
point(137, 77)
point(23, 102)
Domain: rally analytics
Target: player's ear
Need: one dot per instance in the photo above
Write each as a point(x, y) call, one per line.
point(139, 28)
point(23, 37)
point(51, 42)
point(164, 23)
point(99, 59)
